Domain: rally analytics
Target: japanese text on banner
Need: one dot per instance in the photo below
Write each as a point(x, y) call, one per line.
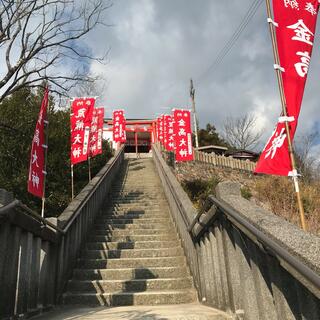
point(81, 119)
point(96, 132)
point(183, 135)
point(37, 160)
point(119, 126)
point(295, 29)
point(169, 133)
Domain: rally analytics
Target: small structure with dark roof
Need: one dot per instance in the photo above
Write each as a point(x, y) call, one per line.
point(213, 149)
point(243, 155)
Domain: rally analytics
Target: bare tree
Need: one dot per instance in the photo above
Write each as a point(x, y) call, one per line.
point(241, 132)
point(305, 160)
point(38, 36)
point(96, 88)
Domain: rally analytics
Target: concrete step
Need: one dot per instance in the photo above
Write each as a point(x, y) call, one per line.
point(131, 273)
point(131, 245)
point(114, 226)
point(139, 194)
point(134, 212)
point(135, 285)
point(136, 207)
point(137, 189)
point(147, 202)
point(143, 197)
point(133, 253)
point(121, 220)
point(133, 238)
point(123, 215)
point(134, 232)
point(132, 298)
point(130, 262)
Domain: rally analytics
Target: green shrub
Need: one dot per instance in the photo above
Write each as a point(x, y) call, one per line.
point(246, 192)
point(199, 189)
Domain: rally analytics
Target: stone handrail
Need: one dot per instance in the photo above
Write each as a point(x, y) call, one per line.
point(245, 260)
point(37, 255)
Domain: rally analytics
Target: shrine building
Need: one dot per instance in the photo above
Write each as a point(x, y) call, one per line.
point(140, 134)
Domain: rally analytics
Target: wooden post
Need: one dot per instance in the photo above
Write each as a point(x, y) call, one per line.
point(195, 120)
point(285, 114)
point(136, 142)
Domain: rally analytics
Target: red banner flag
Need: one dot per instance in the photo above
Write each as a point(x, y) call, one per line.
point(100, 129)
point(164, 130)
point(183, 135)
point(96, 132)
point(81, 118)
point(124, 134)
point(37, 160)
point(160, 129)
point(295, 23)
point(157, 130)
point(119, 126)
point(169, 133)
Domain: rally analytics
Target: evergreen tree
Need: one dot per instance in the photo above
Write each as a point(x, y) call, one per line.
point(18, 116)
point(209, 136)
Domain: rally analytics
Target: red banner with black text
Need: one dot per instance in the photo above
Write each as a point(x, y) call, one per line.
point(295, 24)
point(183, 135)
point(37, 159)
point(80, 120)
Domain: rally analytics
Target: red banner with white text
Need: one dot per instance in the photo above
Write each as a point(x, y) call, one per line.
point(164, 130)
point(119, 126)
point(295, 23)
point(169, 133)
point(96, 132)
point(160, 128)
point(37, 160)
point(183, 135)
point(81, 118)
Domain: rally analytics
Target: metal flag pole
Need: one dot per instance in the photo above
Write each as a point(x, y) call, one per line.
point(89, 167)
point(45, 146)
point(195, 120)
point(72, 184)
point(71, 165)
point(272, 25)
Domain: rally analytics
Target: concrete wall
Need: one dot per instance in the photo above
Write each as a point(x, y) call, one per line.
point(37, 255)
point(232, 265)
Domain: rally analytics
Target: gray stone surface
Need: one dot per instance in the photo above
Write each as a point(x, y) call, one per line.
point(5, 197)
point(123, 271)
point(179, 312)
point(303, 245)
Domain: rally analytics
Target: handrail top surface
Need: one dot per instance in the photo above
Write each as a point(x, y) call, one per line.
point(307, 268)
point(79, 201)
point(269, 244)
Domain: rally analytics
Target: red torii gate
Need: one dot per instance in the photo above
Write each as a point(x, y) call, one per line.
point(135, 126)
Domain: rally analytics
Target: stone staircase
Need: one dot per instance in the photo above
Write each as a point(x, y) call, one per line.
point(133, 255)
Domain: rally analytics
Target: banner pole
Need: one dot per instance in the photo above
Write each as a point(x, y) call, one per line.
point(72, 183)
point(46, 122)
point(284, 113)
point(89, 165)
point(71, 165)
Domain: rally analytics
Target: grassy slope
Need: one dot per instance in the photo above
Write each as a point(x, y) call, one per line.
point(273, 193)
